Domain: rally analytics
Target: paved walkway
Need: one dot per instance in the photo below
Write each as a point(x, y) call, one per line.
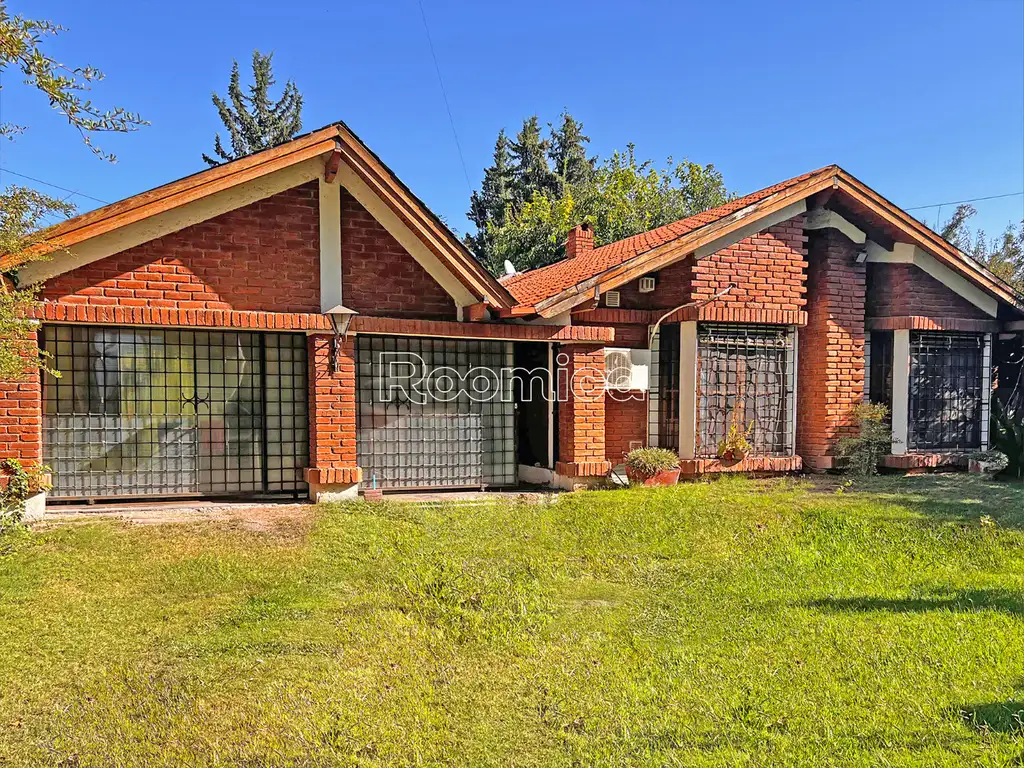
point(255, 514)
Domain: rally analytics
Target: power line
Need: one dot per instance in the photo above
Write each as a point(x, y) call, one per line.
point(55, 186)
point(451, 120)
point(961, 202)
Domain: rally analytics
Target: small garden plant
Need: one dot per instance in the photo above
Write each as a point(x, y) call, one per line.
point(647, 462)
point(859, 454)
point(736, 444)
point(17, 484)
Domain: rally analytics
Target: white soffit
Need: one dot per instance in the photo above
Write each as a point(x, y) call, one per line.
point(330, 245)
point(906, 253)
point(174, 220)
point(822, 218)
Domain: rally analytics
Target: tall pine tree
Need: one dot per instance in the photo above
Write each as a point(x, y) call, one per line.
point(254, 122)
point(530, 171)
point(487, 207)
point(540, 188)
point(568, 153)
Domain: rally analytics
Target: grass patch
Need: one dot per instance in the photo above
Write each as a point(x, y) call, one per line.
point(719, 624)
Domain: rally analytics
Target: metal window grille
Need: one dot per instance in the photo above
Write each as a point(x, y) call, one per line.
point(668, 387)
point(880, 368)
point(404, 441)
point(746, 377)
point(946, 384)
point(153, 412)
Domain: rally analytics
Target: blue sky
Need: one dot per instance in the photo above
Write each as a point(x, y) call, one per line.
point(922, 101)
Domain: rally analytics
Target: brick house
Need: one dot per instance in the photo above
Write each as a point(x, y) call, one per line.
point(250, 330)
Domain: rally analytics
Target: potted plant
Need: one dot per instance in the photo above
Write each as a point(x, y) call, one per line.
point(735, 446)
point(652, 466)
point(22, 492)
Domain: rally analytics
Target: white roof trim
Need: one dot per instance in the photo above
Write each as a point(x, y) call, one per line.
point(168, 222)
point(822, 218)
point(752, 228)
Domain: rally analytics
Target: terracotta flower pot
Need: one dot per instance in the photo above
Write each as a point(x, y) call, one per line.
point(733, 456)
point(373, 494)
point(662, 477)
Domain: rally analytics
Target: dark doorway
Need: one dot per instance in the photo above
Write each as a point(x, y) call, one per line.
point(532, 387)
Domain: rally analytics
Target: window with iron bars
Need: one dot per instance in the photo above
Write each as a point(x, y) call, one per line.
point(946, 391)
point(880, 368)
point(668, 387)
point(746, 377)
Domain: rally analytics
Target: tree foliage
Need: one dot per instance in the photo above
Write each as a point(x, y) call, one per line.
point(253, 121)
point(65, 87)
point(1003, 255)
point(23, 210)
point(538, 188)
point(21, 213)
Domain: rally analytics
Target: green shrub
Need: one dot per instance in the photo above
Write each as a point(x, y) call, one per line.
point(647, 462)
point(1007, 431)
point(860, 454)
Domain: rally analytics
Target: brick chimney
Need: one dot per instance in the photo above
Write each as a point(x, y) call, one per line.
point(580, 240)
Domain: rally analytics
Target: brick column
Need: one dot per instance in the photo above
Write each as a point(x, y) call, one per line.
point(21, 421)
point(581, 403)
point(831, 365)
point(333, 473)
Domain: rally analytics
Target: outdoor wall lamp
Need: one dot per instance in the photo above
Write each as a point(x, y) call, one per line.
point(341, 318)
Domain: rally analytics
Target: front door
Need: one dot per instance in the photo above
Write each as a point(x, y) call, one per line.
point(152, 412)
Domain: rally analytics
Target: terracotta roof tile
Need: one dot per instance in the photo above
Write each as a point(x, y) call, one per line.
point(538, 284)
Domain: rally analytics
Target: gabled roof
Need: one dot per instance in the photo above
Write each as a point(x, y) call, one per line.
point(332, 141)
point(557, 287)
point(536, 285)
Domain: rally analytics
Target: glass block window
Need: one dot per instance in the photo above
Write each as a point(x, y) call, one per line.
point(416, 431)
point(746, 376)
point(167, 412)
point(946, 391)
point(668, 387)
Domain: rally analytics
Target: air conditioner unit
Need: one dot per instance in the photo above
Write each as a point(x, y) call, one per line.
point(646, 284)
point(626, 368)
point(611, 299)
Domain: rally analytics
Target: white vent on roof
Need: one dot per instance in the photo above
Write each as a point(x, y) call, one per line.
point(611, 299)
point(626, 368)
point(646, 284)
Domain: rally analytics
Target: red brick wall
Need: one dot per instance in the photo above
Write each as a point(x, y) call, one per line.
point(831, 354)
point(672, 288)
point(264, 256)
point(378, 275)
point(21, 418)
point(625, 422)
point(898, 290)
point(332, 405)
point(581, 420)
point(767, 268)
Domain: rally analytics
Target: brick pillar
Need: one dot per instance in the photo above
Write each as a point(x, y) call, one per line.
point(21, 421)
point(333, 473)
point(831, 366)
point(581, 402)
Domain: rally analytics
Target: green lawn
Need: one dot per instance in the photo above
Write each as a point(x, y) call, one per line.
point(732, 623)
